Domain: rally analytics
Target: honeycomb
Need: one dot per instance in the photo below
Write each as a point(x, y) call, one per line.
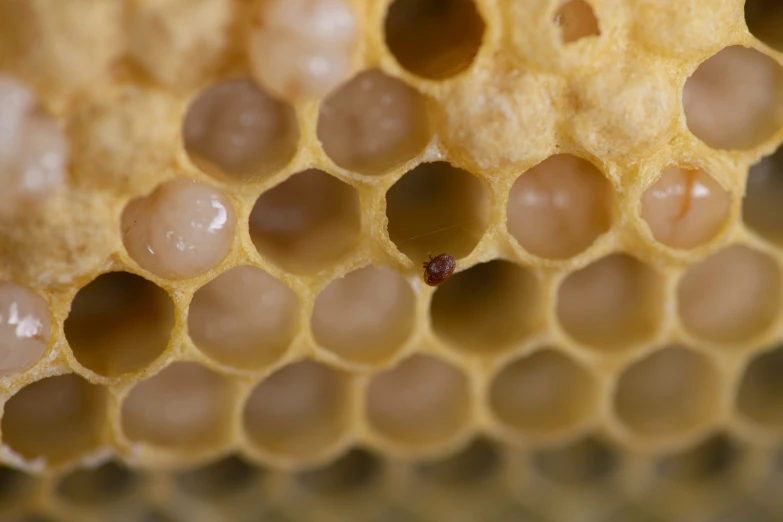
point(212, 305)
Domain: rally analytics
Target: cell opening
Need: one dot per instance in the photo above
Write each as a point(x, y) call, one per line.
point(576, 20)
point(237, 132)
point(307, 222)
point(218, 479)
point(244, 318)
point(708, 460)
point(669, 393)
point(373, 123)
point(583, 463)
point(119, 323)
point(180, 230)
point(355, 470)
point(422, 401)
point(474, 464)
point(558, 208)
point(437, 208)
point(543, 393)
point(760, 396)
point(300, 410)
point(761, 208)
point(612, 304)
point(14, 487)
point(685, 208)
point(734, 100)
point(59, 419)
point(731, 296)
point(25, 328)
point(434, 39)
point(763, 18)
point(488, 307)
point(365, 316)
point(107, 483)
point(184, 407)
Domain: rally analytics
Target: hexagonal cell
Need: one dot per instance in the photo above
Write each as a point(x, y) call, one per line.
point(218, 479)
point(180, 230)
point(559, 207)
point(437, 208)
point(235, 131)
point(763, 18)
point(583, 463)
point(612, 304)
point(576, 20)
point(685, 208)
point(300, 410)
point(107, 483)
point(244, 318)
point(423, 401)
point(25, 327)
point(671, 392)
point(307, 222)
point(119, 323)
point(435, 39)
point(202, 401)
point(488, 307)
point(707, 460)
point(760, 396)
point(543, 393)
point(734, 100)
point(354, 470)
point(731, 296)
point(365, 316)
point(761, 208)
point(58, 419)
point(474, 464)
point(373, 123)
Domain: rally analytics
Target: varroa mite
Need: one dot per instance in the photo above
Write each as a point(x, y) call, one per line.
point(438, 269)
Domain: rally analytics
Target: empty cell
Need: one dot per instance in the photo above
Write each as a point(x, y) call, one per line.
point(217, 480)
point(373, 123)
point(307, 222)
point(710, 459)
point(437, 208)
point(543, 393)
point(302, 49)
point(559, 207)
point(14, 487)
point(685, 208)
point(244, 318)
point(581, 463)
point(435, 39)
point(33, 150)
point(576, 20)
point(353, 471)
point(763, 18)
point(669, 393)
point(366, 315)
point(25, 328)
point(234, 130)
point(612, 304)
point(299, 410)
point(731, 296)
point(422, 401)
point(488, 307)
point(761, 209)
point(184, 407)
point(760, 397)
point(58, 419)
point(734, 100)
point(182, 229)
point(119, 323)
point(107, 483)
point(476, 463)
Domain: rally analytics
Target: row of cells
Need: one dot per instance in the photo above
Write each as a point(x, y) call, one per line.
point(306, 408)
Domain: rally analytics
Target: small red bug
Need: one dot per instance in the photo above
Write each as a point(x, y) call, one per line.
point(438, 269)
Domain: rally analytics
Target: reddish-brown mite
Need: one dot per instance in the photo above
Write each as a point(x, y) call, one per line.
point(438, 269)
